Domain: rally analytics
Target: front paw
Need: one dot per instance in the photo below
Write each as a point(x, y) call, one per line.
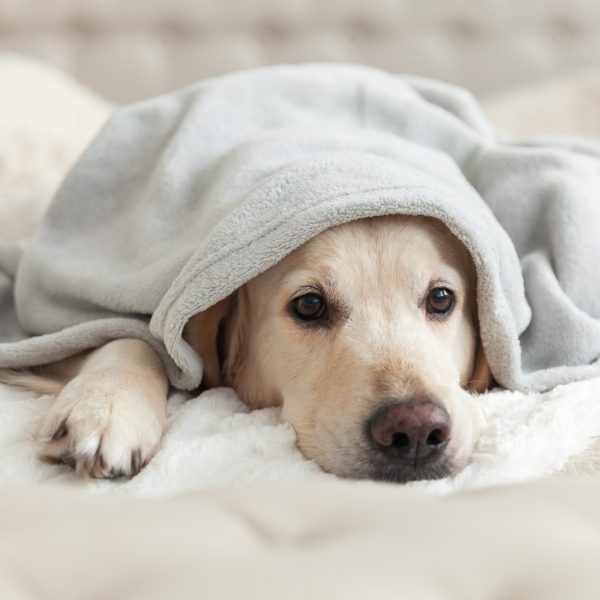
point(104, 425)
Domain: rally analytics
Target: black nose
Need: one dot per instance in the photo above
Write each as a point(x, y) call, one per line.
point(413, 431)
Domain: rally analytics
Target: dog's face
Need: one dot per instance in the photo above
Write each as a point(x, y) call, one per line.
point(367, 337)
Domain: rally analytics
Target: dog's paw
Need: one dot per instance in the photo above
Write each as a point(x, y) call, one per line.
point(104, 424)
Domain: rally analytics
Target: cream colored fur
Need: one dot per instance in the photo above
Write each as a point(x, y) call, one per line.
point(109, 416)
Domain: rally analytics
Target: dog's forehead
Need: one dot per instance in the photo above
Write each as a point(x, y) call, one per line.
point(375, 257)
point(382, 246)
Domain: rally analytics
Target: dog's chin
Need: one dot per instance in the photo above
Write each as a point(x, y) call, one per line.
point(403, 473)
point(359, 466)
point(446, 465)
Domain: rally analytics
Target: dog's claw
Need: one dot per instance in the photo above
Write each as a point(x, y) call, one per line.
point(94, 465)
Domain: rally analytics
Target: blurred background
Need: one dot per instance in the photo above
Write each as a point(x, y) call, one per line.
point(130, 49)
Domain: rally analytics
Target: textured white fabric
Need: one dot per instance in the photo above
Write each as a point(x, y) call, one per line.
point(215, 440)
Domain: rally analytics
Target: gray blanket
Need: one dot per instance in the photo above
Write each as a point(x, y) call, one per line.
point(183, 198)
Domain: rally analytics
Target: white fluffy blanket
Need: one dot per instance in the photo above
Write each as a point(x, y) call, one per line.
point(214, 439)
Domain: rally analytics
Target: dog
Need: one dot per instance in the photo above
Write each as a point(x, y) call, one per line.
point(366, 336)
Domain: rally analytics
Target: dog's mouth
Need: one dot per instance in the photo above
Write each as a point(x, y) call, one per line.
point(363, 463)
point(395, 472)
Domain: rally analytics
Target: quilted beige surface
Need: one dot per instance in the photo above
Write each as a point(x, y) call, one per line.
point(130, 49)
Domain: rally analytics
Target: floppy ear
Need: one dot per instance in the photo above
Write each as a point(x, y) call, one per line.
point(218, 335)
point(481, 378)
point(235, 337)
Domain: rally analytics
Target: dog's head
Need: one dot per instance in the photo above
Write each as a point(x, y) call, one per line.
point(367, 337)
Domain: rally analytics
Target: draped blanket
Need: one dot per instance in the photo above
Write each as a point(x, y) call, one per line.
point(183, 198)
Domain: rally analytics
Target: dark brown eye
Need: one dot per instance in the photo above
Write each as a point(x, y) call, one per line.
point(309, 307)
point(440, 302)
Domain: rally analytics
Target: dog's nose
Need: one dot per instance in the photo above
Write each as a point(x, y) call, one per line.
point(414, 430)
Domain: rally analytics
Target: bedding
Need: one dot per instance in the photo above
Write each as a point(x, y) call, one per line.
point(213, 439)
point(183, 198)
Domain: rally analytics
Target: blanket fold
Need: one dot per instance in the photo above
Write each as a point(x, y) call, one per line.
point(183, 198)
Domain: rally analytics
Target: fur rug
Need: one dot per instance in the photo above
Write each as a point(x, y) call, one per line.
point(213, 439)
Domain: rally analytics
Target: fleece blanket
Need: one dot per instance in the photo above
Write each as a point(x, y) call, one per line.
point(183, 198)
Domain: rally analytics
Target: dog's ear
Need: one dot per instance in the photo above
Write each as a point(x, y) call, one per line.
point(218, 335)
point(201, 332)
point(481, 378)
point(234, 337)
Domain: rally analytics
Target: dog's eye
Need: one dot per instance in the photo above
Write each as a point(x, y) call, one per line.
point(440, 301)
point(309, 307)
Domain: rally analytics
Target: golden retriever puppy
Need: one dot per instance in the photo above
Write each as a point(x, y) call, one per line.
point(366, 336)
